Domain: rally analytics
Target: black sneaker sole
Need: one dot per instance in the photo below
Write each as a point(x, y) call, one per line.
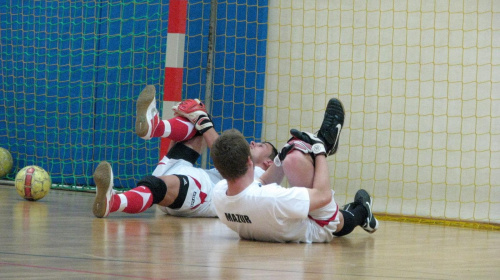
point(331, 126)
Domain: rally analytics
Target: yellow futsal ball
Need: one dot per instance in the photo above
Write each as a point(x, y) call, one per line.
point(33, 182)
point(5, 162)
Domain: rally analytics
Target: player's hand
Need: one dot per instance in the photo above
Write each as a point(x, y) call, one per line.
point(317, 146)
point(194, 110)
point(203, 123)
point(282, 154)
point(191, 109)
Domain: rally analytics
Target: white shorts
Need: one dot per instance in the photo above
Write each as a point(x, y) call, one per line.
point(198, 202)
point(326, 217)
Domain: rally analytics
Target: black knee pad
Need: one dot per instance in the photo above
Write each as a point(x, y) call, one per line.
point(157, 187)
point(183, 188)
point(181, 151)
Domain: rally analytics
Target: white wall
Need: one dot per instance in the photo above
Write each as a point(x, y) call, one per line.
point(420, 82)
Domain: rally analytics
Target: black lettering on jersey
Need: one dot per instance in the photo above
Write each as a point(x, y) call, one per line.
point(237, 218)
point(193, 198)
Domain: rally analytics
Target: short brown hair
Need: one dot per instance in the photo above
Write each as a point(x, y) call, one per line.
point(230, 153)
point(274, 152)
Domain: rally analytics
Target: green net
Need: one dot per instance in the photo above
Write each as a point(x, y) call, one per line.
point(70, 74)
point(72, 70)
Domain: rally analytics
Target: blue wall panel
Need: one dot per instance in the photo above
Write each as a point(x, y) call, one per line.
point(71, 72)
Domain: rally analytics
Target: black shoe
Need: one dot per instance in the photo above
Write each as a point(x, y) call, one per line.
point(333, 121)
point(362, 197)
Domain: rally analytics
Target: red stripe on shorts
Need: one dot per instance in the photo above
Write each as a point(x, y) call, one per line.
point(323, 223)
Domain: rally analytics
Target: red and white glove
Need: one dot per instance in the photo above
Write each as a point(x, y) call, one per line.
point(317, 146)
point(305, 142)
point(280, 157)
point(194, 110)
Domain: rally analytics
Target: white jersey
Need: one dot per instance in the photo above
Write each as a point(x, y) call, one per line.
point(257, 172)
point(275, 214)
point(198, 201)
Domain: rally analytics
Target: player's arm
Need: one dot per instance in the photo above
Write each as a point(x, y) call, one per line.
point(210, 136)
point(194, 110)
point(320, 194)
point(273, 174)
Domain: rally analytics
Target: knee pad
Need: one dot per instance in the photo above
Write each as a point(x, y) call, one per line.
point(181, 151)
point(157, 187)
point(183, 188)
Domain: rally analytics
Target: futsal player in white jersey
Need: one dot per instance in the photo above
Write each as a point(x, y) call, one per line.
point(176, 185)
point(263, 210)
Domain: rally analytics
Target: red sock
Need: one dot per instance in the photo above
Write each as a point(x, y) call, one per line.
point(160, 129)
point(134, 201)
point(177, 129)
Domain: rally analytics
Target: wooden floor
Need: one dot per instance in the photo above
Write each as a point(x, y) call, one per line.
point(59, 238)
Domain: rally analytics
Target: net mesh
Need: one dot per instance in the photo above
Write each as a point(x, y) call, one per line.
point(420, 82)
point(72, 70)
point(70, 73)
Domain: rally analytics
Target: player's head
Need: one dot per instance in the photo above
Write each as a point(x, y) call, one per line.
point(263, 154)
point(231, 154)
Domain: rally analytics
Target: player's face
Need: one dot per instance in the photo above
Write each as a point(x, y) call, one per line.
point(260, 152)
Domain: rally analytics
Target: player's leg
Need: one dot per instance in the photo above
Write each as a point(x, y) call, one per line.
point(331, 126)
point(103, 177)
point(194, 110)
point(195, 144)
point(358, 213)
point(149, 124)
point(150, 190)
point(362, 198)
point(189, 150)
point(177, 129)
point(299, 169)
point(193, 199)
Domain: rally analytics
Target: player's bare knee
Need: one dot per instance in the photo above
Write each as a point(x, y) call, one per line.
point(297, 160)
point(195, 143)
point(298, 169)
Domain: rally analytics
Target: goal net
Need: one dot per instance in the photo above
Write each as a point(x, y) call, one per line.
point(71, 72)
point(419, 80)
